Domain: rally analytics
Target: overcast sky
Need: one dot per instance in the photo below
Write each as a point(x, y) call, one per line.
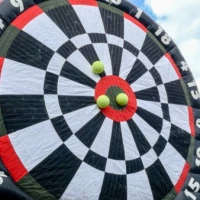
point(181, 20)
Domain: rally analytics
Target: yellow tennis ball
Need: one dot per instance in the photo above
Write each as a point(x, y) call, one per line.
point(122, 99)
point(98, 67)
point(103, 101)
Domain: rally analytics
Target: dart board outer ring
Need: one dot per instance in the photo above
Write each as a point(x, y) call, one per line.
point(8, 13)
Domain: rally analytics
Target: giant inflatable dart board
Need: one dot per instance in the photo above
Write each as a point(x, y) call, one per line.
point(56, 142)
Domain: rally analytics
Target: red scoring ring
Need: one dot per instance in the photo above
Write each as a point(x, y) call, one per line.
point(131, 107)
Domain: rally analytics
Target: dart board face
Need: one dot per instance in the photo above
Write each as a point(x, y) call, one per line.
point(57, 143)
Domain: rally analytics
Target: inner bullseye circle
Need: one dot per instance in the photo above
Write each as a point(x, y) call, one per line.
point(112, 93)
point(122, 100)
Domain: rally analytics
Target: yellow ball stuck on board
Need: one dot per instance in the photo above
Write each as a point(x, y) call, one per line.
point(103, 101)
point(98, 67)
point(122, 99)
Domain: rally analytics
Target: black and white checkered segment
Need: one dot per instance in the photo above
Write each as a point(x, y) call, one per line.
point(68, 146)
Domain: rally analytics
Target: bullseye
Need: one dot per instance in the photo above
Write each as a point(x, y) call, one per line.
point(123, 104)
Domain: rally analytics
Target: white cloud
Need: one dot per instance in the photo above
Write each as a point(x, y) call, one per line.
point(181, 20)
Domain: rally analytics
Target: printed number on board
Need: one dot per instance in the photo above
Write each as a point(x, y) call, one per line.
point(2, 25)
point(189, 194)
point(165, 39)
point(139, 13)
point(195, 94)
point(185, 66)
point(116, 2)
point(195, 186)
point(198, 124)
point(197, 161)
point(18, 4)
point(1, 177)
